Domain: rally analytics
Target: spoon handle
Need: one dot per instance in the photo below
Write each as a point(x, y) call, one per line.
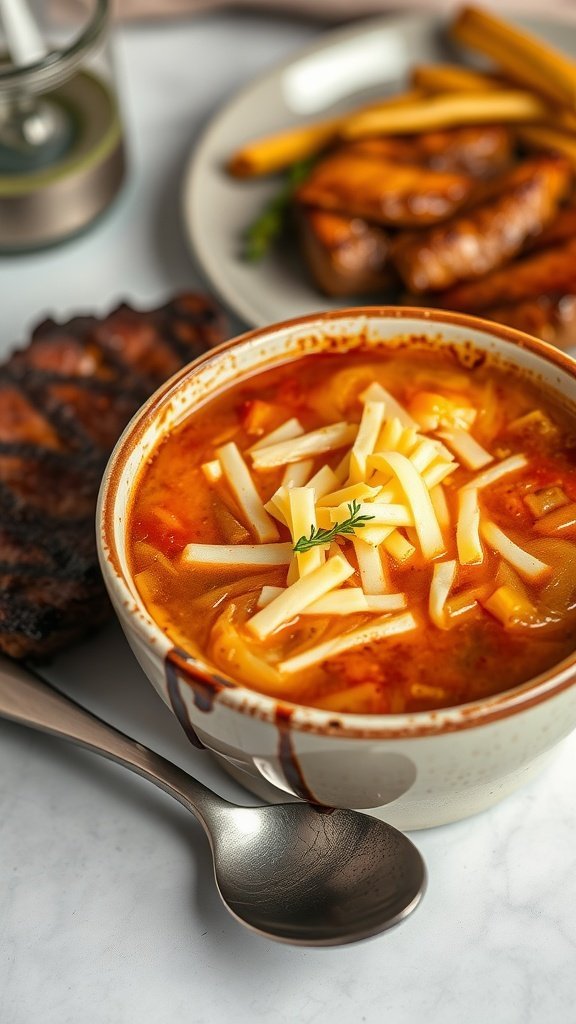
point(25, 698)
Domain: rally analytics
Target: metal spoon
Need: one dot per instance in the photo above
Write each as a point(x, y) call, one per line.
point(287, 871)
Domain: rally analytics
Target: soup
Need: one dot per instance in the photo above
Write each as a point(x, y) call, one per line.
point(368, 533)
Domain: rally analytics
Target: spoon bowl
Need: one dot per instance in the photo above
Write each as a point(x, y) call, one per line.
point(315, 877)
point(297, 873)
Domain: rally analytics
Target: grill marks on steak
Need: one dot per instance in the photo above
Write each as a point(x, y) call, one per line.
point(19, 420)
point(64, 400)
point(40, 485)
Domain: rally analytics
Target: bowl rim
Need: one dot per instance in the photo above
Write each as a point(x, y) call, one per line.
point(241, 698)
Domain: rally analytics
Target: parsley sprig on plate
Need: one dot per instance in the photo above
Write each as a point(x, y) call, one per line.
point(271, 222)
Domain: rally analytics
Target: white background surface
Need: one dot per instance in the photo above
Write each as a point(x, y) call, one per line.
point(107, 910)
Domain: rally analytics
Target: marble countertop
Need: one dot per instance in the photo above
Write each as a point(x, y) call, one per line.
point(108, 914)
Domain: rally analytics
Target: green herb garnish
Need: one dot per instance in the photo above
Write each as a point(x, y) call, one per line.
point(320, 536)
point(270, 224)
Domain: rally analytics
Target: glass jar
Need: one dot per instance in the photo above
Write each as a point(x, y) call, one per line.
point(62, 156)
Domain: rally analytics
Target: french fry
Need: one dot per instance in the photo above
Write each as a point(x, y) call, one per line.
point(447, 78)
point(521, 56)
point(273, 153)
point(548, 139)
point(434, 78)
point(448, 110)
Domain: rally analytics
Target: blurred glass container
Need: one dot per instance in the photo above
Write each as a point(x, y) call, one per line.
point(62, 157)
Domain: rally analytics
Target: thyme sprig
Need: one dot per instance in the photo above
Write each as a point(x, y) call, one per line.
point(320, 536)
point(271, 222)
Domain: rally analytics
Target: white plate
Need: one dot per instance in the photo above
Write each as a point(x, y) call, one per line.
point(347, 66)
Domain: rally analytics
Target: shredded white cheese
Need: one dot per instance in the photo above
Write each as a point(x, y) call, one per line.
point(285, 432)
point(490, 476)
point(297, 473)
point(427, 452)
point(366, 438)
point(298, 596)
point(380, 514)
point(438, 472)
point(419, 502)
point(372, 570)
point(467, 449)
point(527, 565)
point(244, 490)
point(356, 492)
point(324, 481)
point(398, 547)
point(358, 638)
point(470, 551)
point(442, 579)
point(268, 594)
point(241, 555)
point(376, 393)
point(317, 442)
point(303, 517)
point(375, 535)
point(438, 498)
point(390, 436)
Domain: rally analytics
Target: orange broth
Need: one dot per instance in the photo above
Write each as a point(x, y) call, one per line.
point(476, 654)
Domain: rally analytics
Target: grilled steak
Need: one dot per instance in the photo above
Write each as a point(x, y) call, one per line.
point(394, 194)
point(480, 150)
point(64, 401)
point(548, 272)
point(562, 229)
point(550, 317)
point(474, 243)
point(345, 255)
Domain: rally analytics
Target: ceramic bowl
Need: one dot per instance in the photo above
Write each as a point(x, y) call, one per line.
point(414, 770)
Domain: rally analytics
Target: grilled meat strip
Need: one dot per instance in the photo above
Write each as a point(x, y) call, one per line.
point(562, 229)
point(380, 190)
point(552, 318)
point(489, 235)
point(345, 255)
point(64, 401)
point(481, 150)
point(549, 272)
